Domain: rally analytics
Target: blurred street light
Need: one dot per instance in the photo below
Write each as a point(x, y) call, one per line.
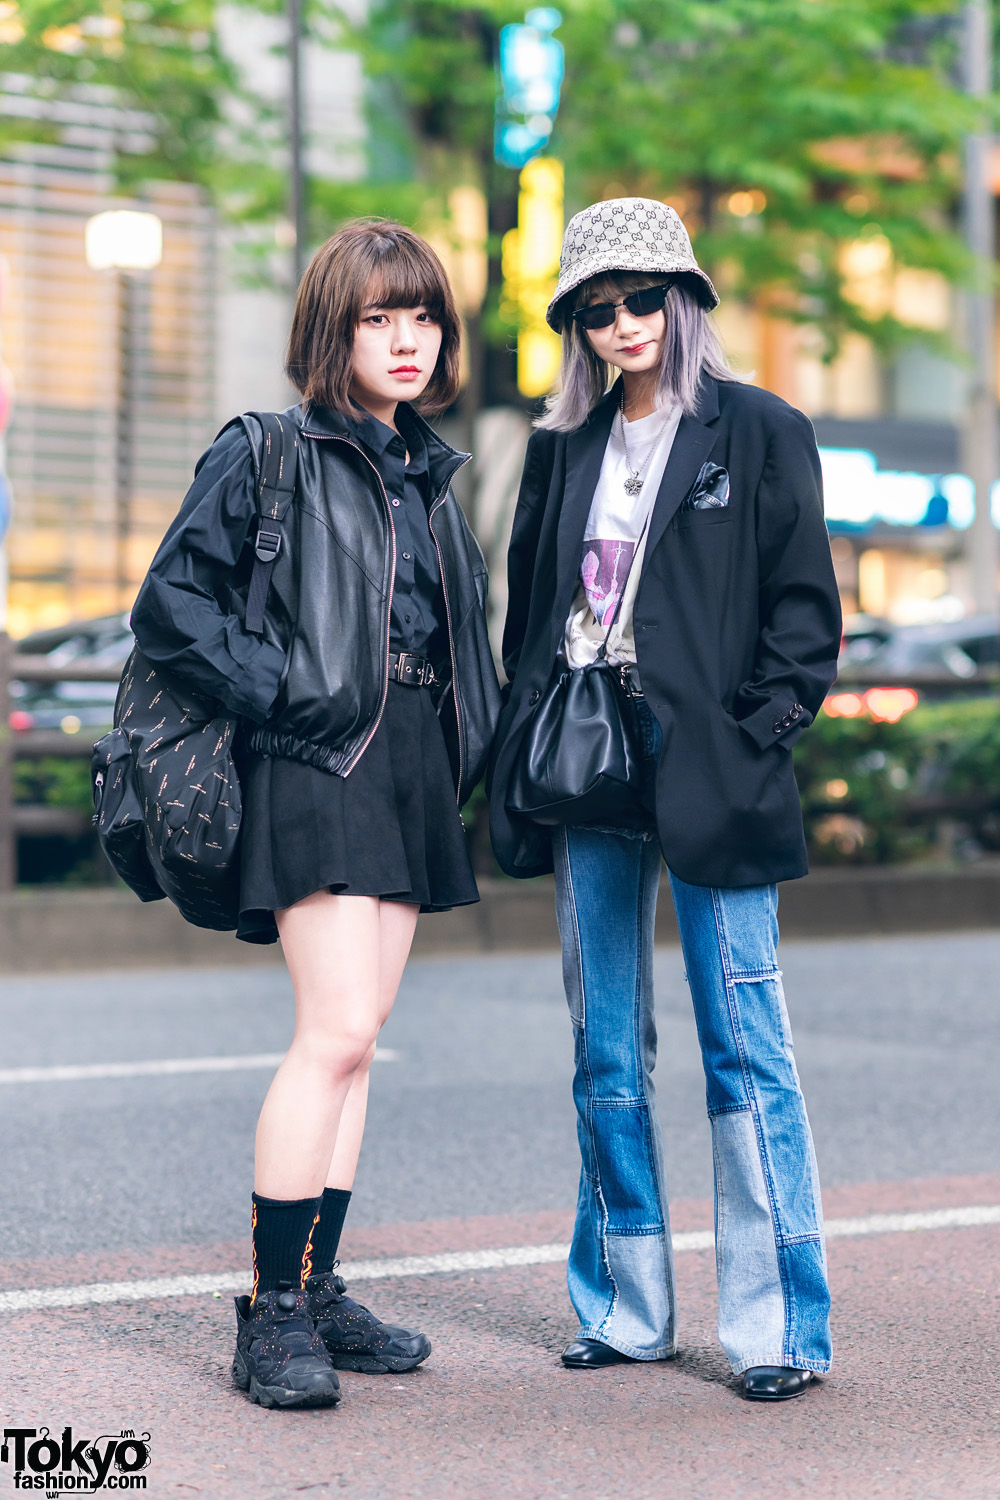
point(531, 74)
point(130, 243)
point(124, 239)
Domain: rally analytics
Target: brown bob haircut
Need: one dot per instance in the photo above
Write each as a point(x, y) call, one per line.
point(368, 263)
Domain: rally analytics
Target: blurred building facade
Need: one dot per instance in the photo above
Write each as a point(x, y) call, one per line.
point(207, 342)
point(889, 430)
point(206, 332)
point(63, 331)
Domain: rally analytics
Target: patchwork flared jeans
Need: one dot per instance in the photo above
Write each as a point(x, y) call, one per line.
point(773, 1297)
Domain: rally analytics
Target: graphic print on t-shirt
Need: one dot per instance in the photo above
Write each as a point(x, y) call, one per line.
point(604, 569)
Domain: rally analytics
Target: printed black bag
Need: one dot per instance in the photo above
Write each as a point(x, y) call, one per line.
point(167, 801)
point(167, 767)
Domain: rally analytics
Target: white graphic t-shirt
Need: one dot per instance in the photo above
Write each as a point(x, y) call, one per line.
point(613, 532)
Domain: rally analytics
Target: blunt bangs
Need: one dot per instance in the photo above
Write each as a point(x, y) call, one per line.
point(369, 263)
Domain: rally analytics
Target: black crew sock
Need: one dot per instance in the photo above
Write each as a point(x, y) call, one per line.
point(325, 1239)
point(280, 1230)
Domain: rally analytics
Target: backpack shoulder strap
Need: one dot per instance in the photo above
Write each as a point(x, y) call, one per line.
point(275, 476)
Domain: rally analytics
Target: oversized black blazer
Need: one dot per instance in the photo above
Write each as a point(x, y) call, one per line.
point(737, 630)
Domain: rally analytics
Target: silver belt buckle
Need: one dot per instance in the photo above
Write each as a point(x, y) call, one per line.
point(422, 670)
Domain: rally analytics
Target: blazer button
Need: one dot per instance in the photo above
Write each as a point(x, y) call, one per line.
point(534, 696)
point(777, 728)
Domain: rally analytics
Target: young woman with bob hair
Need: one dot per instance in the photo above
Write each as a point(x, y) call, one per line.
point(368, 701)
point(671, 524)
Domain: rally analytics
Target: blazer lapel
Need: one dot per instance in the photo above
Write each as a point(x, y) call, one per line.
point(692, 444)
point(584, 456)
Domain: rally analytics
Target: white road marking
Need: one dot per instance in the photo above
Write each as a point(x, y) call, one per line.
point(76, 1072)
point(218, 1282)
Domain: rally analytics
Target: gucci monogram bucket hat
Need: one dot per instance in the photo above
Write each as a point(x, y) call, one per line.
point(626, 234)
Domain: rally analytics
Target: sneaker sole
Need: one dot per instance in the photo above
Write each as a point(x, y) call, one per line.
point(272, 1396)
point(372, 1364)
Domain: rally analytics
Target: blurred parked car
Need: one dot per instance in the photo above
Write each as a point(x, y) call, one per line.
point(71, 705)
point(863, 636)
point(958, 648)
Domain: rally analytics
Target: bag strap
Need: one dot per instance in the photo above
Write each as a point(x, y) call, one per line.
point(275, 487)
point(602, 649)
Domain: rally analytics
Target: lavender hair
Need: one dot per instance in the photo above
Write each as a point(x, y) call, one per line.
point(691, 349)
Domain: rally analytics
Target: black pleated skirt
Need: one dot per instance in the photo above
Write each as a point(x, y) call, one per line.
point(389, 829)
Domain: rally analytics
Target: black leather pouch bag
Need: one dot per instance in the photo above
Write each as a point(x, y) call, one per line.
point(578, 762)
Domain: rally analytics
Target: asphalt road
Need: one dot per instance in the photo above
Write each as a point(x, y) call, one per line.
point(471, 1147)
point(897, 1041)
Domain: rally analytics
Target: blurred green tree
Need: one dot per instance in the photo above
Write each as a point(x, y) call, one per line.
point(159, 60)
point(785, 131)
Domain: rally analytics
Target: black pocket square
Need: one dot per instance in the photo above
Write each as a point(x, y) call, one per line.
point(710, 490)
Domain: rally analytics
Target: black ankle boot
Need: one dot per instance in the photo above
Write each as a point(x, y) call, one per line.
point(280, 1359)
point(354, 1338)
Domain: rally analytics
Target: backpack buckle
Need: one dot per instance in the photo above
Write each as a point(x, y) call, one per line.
point(267, 545)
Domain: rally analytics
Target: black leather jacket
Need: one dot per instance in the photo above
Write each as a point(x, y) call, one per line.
point(313, 684)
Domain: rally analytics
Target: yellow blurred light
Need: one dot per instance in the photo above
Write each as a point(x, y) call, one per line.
point(837, 788)
point(70, 724)
point(931, 583)
point(469, 220)
point(846, 834)
point(873, 590)
point(888, 705)
point(11, 25)
point(530, 270)
point(745, 203)
point(857, 203)
point(866, 266)
point(63, 39)
point(844, 706)
point(922, 299)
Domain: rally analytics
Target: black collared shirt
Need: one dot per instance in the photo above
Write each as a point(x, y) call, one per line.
point(417, 622)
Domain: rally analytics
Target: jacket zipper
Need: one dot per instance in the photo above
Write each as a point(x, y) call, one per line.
point(323, 437)
point(439, 501)
point(436, 506)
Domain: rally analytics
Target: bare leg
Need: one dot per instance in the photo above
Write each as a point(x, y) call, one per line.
point(397, 923)
point(334, 947)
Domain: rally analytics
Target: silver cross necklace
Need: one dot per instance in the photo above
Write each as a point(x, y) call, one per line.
point(635, 480)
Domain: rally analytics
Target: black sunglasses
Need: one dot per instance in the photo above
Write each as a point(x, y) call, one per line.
point(639, 304)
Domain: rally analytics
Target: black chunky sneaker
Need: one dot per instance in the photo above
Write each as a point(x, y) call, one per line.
point(354, 1337)
point(280, 1359)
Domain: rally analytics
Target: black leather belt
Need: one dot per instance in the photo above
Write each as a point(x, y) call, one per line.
point(411, 670)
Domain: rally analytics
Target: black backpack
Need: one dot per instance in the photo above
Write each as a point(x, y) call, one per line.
point(167, 802)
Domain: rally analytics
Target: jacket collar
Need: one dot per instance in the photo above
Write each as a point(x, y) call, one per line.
point(584, 456)
point(442, 459)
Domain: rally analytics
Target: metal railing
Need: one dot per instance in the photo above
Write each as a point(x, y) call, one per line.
point(40, 819)
point(18, 818)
